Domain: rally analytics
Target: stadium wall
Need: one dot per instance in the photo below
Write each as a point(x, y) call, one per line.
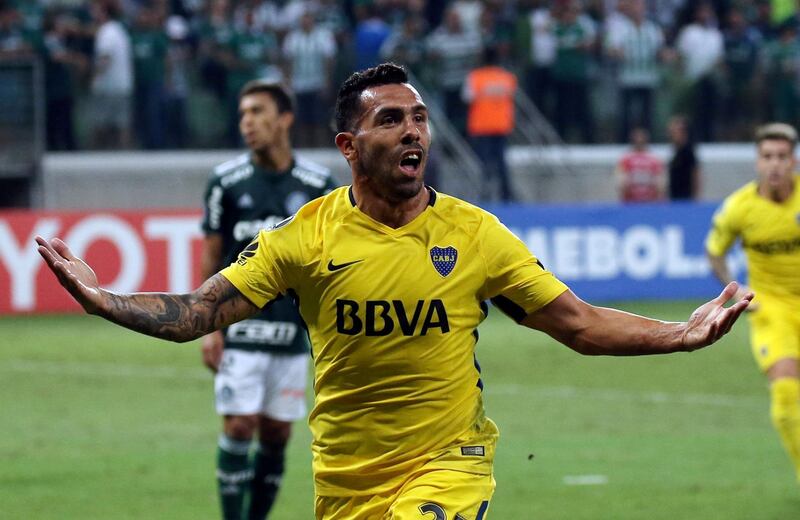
point(602, 251)
point(539, 174)
point(610, 252)
point(129, 180)
point(109, 207)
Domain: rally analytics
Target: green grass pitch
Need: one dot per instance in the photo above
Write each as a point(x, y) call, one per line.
point(101, 423)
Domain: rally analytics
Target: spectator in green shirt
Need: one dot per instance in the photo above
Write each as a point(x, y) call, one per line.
point(783, 68)
point(63, 65)
point(149, 43)
point(215, 35)
point(251, 54)
point(575, 37)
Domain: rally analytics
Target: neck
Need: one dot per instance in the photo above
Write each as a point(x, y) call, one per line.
point(777, 193)
point(388, 211)
point(275, 158)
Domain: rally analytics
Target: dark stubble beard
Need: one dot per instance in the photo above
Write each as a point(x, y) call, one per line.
point(385, 183)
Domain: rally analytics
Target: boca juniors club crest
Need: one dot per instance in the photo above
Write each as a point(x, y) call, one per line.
point(444, 259)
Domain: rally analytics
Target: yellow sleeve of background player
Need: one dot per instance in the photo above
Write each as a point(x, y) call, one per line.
point(724, 230)
point(516, 281)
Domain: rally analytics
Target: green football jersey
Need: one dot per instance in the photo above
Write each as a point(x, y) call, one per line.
point(242, 198)
point(149, 56)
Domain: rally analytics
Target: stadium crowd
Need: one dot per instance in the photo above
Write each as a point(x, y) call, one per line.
point(166, 73)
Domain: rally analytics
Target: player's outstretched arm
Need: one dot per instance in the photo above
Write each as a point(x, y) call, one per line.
point(601, 331)
point(720, 269)
point(176, 317)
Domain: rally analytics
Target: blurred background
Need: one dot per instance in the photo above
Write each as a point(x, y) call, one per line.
point(588, 73)
point(631, 120)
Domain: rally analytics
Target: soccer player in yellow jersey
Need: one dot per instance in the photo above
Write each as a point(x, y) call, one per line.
point(391, 279)
point(765, 216)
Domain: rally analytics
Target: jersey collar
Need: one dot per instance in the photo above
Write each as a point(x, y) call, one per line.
point(261, 170)
point(408, 228)
point(431, 199)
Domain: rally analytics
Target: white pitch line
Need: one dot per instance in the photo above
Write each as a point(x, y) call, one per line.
point(71, 368)
point(618, 395)
point(585, 480)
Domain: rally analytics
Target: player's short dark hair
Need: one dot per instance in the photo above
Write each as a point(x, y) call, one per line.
point(348, 100)
point(279, 92)
point(776, 131)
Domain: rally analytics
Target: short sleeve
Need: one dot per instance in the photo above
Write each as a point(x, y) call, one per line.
point(516, 280)
point(261, 272)
point(328, 43)
point(213, 208)
point(105, 41)
point(724, 230)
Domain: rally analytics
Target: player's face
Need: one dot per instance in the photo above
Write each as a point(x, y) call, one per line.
point(775, 163)
point(260, 123)
point(392, 140)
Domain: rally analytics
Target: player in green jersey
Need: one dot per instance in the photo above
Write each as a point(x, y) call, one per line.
point(391, 279)
point(260, 379)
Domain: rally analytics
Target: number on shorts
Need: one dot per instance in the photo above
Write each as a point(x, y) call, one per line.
point(438, 512)
point(436, 509)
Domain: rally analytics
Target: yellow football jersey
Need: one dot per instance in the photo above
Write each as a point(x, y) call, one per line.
point(770, 235)
point(392, 315)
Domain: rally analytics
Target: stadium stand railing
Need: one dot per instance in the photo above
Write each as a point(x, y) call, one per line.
point(21, 131)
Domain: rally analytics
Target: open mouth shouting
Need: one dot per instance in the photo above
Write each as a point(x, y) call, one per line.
point(410, 162)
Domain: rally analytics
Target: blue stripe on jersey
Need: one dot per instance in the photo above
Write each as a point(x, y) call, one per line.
point(485, 311)
point(485, 308)
point(479, 384)
point(432, 199)
point(509, 308)
point(482, 510)
point(296, 301)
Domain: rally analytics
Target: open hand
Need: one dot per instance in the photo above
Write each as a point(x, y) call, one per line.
point(73, 274)
point(712, 320)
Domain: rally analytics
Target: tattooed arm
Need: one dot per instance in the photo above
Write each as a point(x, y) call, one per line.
point(179, 317)
point(176, 317)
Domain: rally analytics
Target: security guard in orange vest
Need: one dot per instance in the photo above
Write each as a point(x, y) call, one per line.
point(489, 92)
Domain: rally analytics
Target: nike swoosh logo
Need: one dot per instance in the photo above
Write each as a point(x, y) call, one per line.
point(336, 267)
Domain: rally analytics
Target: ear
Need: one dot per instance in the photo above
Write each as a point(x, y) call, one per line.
point(286, 120)
point(345, 142)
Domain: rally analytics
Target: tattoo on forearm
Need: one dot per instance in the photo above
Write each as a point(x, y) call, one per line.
point(180, 317)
